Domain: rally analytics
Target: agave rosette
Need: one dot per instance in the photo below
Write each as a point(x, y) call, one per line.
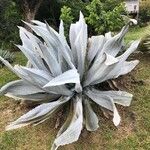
point(58, 73)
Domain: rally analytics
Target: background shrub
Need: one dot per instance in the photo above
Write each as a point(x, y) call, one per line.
point(67, 17)
point(105, 16)
point(144, 13)
point(101, 16)
point(10, 18)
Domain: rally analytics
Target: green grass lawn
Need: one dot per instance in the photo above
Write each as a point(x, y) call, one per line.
point(137, 33)
point(132, 134)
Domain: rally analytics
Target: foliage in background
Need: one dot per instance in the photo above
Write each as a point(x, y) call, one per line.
point(76, 6)
point(70, 12)
point(102, 16)
point(105, 16)
point(7, 55)
point(10, 18)
point(144, 13)
point(67, 17)
point(50, 12)
point(13, 11)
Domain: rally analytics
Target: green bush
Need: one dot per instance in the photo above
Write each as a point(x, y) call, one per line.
point(101, 16)
point(105, 16)
point(66, 16)
point(144, 13)
point(144, 16)
point(76, 6)
point(70, 12)
point(10, 18)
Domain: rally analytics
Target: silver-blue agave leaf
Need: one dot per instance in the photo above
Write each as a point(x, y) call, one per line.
point(72, 132)
point(78, 41)
point(107, 99)
point(39, 113)
point(91, 119)
point(58, 72)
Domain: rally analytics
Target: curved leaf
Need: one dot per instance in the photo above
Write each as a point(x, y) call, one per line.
point(119, 97)
point(95, 46)
point(70, 76)
point(91, 119)
point(72, 133)
point(78, 40)
point(105, 101)
point(37, 114)
point(19, 87)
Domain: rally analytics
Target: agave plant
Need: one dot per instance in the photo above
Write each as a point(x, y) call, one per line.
point(7, 56)
point(61, 74)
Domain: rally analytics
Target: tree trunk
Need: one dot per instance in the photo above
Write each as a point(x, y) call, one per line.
point(29, 15)
point(30, 11)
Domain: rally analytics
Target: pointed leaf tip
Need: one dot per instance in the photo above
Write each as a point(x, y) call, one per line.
point(81, 16)
point(110, 60)
point(134, 21)
point(116, 118)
